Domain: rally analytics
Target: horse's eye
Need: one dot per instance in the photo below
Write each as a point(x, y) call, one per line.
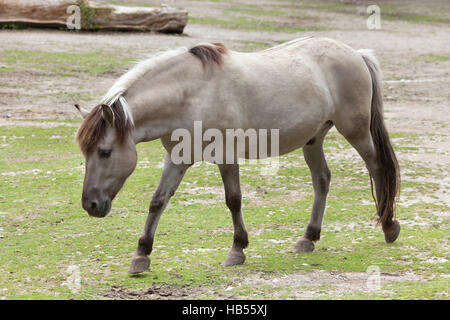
point(105, 153)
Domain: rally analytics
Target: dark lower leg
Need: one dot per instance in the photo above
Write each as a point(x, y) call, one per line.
point(170, 180)
point(240, 238)
point(233, 197)
point(312, 232)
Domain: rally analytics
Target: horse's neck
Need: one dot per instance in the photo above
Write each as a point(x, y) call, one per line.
point(156, 99)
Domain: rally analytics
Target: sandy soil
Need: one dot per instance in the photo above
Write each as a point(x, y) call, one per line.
point(341, 282)
point(397, 44)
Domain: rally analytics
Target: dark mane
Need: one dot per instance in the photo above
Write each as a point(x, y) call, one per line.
point(209, 53)
point(93, 128)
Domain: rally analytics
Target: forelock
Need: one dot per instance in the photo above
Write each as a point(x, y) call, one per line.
point(93, 128)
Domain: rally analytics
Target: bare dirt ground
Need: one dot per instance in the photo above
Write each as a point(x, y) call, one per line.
point(310, 288)
point(420, 85)
point(416, 93)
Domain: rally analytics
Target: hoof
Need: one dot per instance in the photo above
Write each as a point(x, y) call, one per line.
point(303, 245)
point(391, 234)
point(234, 258)
point(139, 264)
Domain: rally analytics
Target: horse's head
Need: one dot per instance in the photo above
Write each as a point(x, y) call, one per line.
point(110, 152)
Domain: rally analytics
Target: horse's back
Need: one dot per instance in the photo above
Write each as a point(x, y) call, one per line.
point(296, 87)
point(346, 74)
point(322, 70)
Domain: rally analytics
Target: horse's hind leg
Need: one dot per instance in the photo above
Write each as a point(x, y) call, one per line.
point(233, 198)
point(170, 180)
point(366, 149)
point(320, 174)
point(361, 123)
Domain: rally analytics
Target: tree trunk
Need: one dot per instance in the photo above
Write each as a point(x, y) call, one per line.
point(91, 15)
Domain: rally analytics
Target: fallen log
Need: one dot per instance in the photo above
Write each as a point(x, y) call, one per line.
point(91, 15)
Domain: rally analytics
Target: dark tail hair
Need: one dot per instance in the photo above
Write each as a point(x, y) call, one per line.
point(389, 170)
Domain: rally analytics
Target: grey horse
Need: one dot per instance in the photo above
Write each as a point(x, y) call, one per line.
point(302, 88)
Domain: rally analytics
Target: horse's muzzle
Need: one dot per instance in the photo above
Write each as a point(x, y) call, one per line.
point(95, 206)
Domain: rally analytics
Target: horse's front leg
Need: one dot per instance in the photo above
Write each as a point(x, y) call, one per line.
point(233, 197)
point(170, 180)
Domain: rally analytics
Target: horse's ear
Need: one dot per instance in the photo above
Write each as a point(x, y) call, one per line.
point(82, 111)
point(108, 114)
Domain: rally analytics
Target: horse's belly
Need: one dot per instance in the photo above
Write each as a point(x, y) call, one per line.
point(293, 124)
point(296, 138)
point(278, 141)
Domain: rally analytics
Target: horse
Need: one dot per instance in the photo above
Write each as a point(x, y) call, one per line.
point(303, 88)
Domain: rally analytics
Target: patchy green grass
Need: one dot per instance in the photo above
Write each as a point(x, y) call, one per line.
point(328, 6)
point(44, 231)
point(254, 10)
point(419, 18)
point(436, 288)
point(7, 69)
point(433, 58)
point(62, 63)
point(389, 11)
point(243, 23)
point(73, 96)
point(395, 12)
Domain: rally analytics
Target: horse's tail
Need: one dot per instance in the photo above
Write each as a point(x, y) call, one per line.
point(387, 161)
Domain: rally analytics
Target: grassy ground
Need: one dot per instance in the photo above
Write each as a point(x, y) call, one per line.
point(44, 229)
point(44, 233)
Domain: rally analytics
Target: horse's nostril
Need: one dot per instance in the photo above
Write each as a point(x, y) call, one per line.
point(94, 205)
